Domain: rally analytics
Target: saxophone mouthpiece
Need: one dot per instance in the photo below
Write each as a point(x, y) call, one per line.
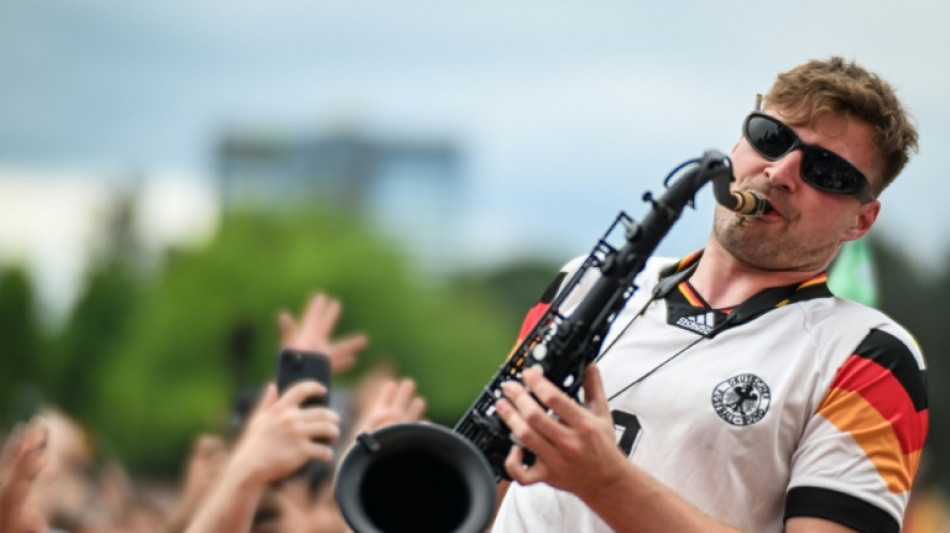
point(744, 203)
point(749, 203)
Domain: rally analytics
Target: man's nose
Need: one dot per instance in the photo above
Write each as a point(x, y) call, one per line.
point(786, 172)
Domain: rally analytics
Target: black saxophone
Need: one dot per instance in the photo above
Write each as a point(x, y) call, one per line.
point(431, 463)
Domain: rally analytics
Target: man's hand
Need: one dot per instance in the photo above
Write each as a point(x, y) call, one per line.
point(281, 435)
point(576, 450)
point(313, 333)
point(279, 438)
point(21, 460)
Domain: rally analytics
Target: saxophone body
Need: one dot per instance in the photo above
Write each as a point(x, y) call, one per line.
point(562, 345)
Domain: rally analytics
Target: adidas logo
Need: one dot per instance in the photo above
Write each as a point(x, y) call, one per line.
point(699, 323)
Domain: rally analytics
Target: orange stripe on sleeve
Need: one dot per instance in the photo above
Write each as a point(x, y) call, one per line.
point(886, 394)
point(851, 413)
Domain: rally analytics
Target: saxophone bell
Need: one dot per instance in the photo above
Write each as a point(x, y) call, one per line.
point(415, 477)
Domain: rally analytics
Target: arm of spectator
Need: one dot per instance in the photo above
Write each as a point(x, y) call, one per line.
point(208, 456)
point(313, 333)
point(280, 437)
point(22, 458)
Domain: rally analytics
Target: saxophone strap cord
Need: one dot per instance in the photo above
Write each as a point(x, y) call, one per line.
point(652, 370)
point(662, 289)
point(759, 304)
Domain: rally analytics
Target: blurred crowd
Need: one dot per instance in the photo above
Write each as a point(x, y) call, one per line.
point(273, 472)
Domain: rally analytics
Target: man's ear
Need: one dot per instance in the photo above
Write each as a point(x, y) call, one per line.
point(863, 220)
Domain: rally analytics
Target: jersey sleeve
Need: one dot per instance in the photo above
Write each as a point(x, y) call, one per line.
point(550, 293)
point(860, 450)
point(543, 304)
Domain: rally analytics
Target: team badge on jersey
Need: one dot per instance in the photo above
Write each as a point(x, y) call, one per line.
point(742, 400)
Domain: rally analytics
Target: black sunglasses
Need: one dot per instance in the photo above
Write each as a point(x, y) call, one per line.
point(820, 168)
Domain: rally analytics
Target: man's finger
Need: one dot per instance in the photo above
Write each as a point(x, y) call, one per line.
point(416, 409)
point(343, 353)
point(287, 328)
point(323, 430)
point(568, 411)
point(407, 388)
point(595, 398)
point(319, 452)
point(522, 473)
point(525, 423)
point(353, 343)
point(302, 390)
point(267, 399)
point(321, 315)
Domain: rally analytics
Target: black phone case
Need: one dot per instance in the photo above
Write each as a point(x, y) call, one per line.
point(296, 365)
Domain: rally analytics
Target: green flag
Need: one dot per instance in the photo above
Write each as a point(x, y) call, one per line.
point(852, 273)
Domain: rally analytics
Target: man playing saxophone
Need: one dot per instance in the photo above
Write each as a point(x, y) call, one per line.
point(745, 396)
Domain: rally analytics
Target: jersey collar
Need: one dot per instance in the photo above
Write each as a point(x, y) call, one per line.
point(764, 301)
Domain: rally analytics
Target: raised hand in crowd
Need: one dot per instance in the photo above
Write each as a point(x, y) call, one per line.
point(23, 456)
point(279, 438)
point(208, 456)
point(390, 401)
point(313, 333)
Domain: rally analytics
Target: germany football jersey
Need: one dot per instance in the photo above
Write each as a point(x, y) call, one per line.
point(795, 403)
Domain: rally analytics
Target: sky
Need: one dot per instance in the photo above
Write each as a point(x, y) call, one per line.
point(566, 112)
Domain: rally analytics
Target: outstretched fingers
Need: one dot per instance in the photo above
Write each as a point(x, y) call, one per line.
point(395, 403)
point(344, 352)
point(320, 318)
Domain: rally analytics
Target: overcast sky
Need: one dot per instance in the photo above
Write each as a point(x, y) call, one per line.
point(566, 111)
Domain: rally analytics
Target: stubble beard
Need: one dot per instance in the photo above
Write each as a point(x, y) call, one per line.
point(767, 247)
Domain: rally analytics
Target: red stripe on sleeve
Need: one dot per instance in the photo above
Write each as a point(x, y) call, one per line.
point(534, 314)
point(878, 386)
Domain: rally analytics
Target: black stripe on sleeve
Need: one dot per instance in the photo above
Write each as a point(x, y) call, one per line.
point(892, 354)
point(553, 287)
point(839, 507)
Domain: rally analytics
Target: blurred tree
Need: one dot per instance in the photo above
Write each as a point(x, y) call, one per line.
point(84, 347)
point(20, 345)
point(513, 288)
point(207, 327)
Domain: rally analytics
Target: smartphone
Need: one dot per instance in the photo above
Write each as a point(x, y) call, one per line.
point(298, 365)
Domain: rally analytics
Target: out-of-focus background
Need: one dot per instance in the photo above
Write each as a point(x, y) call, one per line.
point(173, 173)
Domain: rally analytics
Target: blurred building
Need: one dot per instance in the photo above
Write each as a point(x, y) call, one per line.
point(408, 189)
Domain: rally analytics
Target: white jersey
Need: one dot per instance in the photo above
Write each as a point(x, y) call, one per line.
point(809, 405)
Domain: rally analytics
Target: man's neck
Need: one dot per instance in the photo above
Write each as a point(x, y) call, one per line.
point(725, 281)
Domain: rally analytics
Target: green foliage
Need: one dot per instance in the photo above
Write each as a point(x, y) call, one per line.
point(84, 348)
point(207, 327)
point(20, 344)
point(512, 288)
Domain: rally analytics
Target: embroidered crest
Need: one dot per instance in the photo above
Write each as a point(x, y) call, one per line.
point(742, 400)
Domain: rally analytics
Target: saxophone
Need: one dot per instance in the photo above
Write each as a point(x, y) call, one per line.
point(415, 477)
